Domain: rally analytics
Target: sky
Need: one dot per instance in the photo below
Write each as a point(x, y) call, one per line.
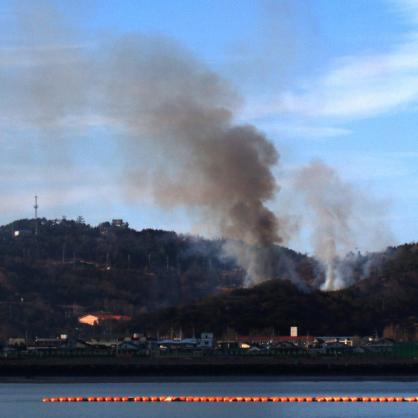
point(335, 81)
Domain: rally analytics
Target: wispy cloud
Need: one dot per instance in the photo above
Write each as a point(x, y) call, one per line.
point(295, 130)
point(361, 85)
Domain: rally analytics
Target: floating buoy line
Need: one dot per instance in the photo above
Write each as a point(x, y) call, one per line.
point(283, 399)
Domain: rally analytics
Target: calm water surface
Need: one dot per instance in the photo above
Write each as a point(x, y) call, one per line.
point(22, 400)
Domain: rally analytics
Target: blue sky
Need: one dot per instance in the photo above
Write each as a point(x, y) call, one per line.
point(330, 80)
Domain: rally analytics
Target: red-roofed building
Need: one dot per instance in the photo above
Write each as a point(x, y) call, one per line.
point(98, 317)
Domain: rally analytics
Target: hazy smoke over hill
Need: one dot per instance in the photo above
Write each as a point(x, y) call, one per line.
point(172, 117)
point(209, 163)
point(172, 122)
point(343, 221)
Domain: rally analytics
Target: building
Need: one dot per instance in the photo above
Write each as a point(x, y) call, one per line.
point(19, 233)
point(349, 341)
point(119, 223)
point(206, 340)
point(93, 319)
point(247, 342)
point(50, 343)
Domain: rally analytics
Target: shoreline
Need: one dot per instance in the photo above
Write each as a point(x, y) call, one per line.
point(207, 369)
point(199, 379)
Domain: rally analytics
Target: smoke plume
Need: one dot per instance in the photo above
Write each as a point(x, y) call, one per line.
point(343, 221)
point(172, 123)
point(172, 118)
point(209, 163)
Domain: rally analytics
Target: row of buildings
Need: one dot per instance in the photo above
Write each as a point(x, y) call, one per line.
point(205, 344)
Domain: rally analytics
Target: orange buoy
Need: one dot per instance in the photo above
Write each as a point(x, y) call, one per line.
point(230, 399)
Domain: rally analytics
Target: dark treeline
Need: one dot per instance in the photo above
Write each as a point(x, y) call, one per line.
point(166, 281)
point(387, 297)
point(69, 268)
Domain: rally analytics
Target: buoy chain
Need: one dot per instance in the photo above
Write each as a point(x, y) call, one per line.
point(285, 399)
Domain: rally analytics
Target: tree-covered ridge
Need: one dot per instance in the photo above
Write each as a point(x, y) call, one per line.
point(166, 281)
point(68, 267)
point(388, 297)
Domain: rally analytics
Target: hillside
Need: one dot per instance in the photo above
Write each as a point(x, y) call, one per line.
point(69, 268)
point(166, 281)
point(388, 296)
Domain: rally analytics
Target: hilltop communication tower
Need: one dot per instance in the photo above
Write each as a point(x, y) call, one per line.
point(36, 206)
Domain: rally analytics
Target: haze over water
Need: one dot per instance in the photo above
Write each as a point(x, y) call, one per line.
point(23, 400)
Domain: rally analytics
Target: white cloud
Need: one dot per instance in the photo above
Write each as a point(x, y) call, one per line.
point(303, 131)
point(358, 86)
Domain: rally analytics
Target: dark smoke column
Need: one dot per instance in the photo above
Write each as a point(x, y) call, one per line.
point(158, 91)
point(172, 120)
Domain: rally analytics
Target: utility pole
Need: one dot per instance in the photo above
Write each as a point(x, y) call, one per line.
point(36, 206)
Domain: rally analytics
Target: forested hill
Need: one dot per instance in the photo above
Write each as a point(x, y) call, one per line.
point(166, 281)
point(387, 298)
point(69, 268)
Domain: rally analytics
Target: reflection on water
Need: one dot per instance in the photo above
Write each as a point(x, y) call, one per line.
point(22, 400)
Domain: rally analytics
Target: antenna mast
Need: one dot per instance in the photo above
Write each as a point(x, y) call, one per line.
point(36, 206)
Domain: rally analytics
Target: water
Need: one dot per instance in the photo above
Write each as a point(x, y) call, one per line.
point(23, 400)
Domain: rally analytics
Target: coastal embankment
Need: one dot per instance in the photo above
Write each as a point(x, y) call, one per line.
point(212, 366)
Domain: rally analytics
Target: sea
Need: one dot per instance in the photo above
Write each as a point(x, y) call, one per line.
point(23, 399)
